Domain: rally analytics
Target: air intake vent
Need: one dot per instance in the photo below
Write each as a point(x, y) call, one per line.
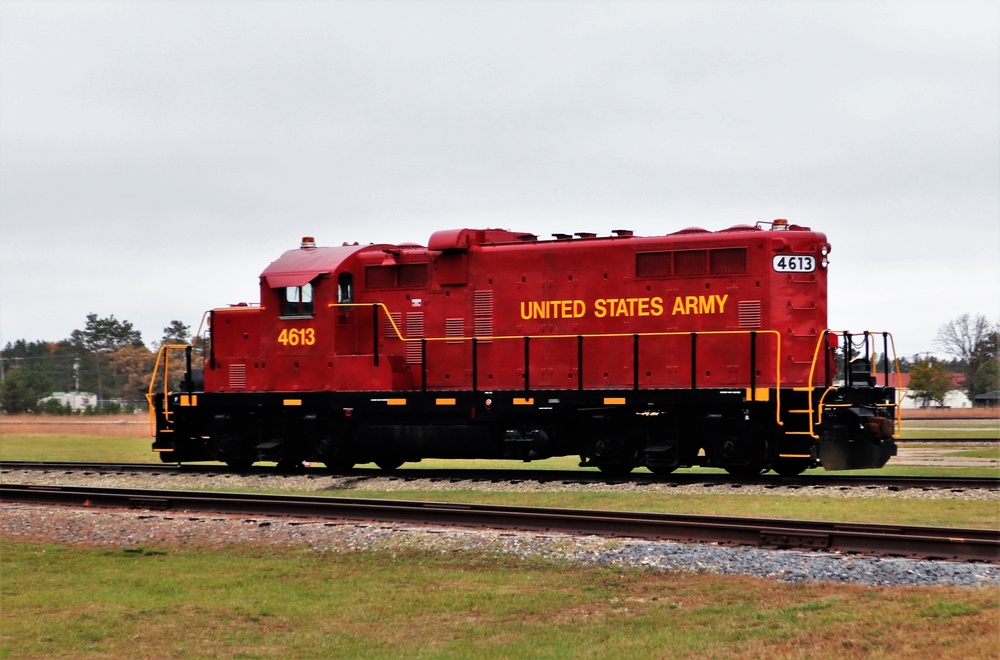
point(237, 376)
point(415, 330)
point(749, 313)
point(482, 302)
point(454, 328)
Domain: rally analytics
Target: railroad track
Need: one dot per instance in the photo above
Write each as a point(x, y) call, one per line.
point(583, 477)
point(889, 540)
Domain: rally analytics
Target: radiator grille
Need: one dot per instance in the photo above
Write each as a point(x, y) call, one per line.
point(690, 262)
point(653, 264)
point(728, 261)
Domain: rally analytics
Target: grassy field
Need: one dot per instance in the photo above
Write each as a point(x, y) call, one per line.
point(255, 602)
point(244, 601)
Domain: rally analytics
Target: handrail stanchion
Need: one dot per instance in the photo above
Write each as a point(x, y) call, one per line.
point(635, 362)
point(475, 364)
point(694, 360)
point(527, 354)
point(885, 357)
point(375, 333)
point(423, 364)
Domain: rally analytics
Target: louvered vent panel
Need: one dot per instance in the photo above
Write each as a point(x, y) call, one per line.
point(237, 376)
point(482, 304)
point(749, 313)
point(454, 328)
point(390, 332)
point(414, 329)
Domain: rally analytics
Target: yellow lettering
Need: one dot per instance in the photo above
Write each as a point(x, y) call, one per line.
point(722, 302)
point(599, 310)
point(691, 304)
point(678, 306)
point(706, 305)
point(656, 306)
point(525, 316)
point(539, 310)
point(579, 308)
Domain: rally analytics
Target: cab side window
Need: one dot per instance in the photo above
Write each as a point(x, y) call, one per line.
point(297, 301)
point(345, 288)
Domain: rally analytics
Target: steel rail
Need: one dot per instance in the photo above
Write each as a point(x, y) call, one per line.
point(583, 477)
point(894, 540)
point(819, 480)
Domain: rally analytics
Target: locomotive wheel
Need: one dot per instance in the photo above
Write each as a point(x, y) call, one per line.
point(790, 467)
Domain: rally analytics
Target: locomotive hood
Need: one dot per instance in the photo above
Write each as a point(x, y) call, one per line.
point(297, 267)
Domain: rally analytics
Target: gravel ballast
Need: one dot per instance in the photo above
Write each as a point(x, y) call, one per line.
point(127, 529)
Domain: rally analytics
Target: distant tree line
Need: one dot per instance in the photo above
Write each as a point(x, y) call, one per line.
point(107, 357)
point(972, 341)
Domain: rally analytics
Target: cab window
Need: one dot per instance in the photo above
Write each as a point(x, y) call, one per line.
point(297, 301)
point(345, 288)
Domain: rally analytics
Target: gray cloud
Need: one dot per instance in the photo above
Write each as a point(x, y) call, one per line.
point(155, 157)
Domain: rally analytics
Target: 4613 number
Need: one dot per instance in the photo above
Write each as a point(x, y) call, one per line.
point(794, 263)
point(297, 337)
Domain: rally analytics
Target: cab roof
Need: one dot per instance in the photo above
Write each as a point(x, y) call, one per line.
point(298, 267)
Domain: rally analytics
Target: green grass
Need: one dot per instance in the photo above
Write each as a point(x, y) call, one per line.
point(259, 602)
point(76, 448)
point(966, 429)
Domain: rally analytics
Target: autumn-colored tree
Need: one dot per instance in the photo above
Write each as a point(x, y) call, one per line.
point(132, 367)
point(929, 381)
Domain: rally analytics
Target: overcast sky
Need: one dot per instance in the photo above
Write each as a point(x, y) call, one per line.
point(156, 156)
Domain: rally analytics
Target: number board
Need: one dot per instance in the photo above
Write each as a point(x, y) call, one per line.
point(794, 263)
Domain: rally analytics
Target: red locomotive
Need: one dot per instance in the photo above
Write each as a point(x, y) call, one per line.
point(694, 348)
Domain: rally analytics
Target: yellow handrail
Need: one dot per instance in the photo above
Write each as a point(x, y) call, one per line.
point(162, 356)
point(775, 333)
point(819, 350)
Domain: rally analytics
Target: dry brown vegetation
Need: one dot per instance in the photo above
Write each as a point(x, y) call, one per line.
point(115, 426)
point(951, 413)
